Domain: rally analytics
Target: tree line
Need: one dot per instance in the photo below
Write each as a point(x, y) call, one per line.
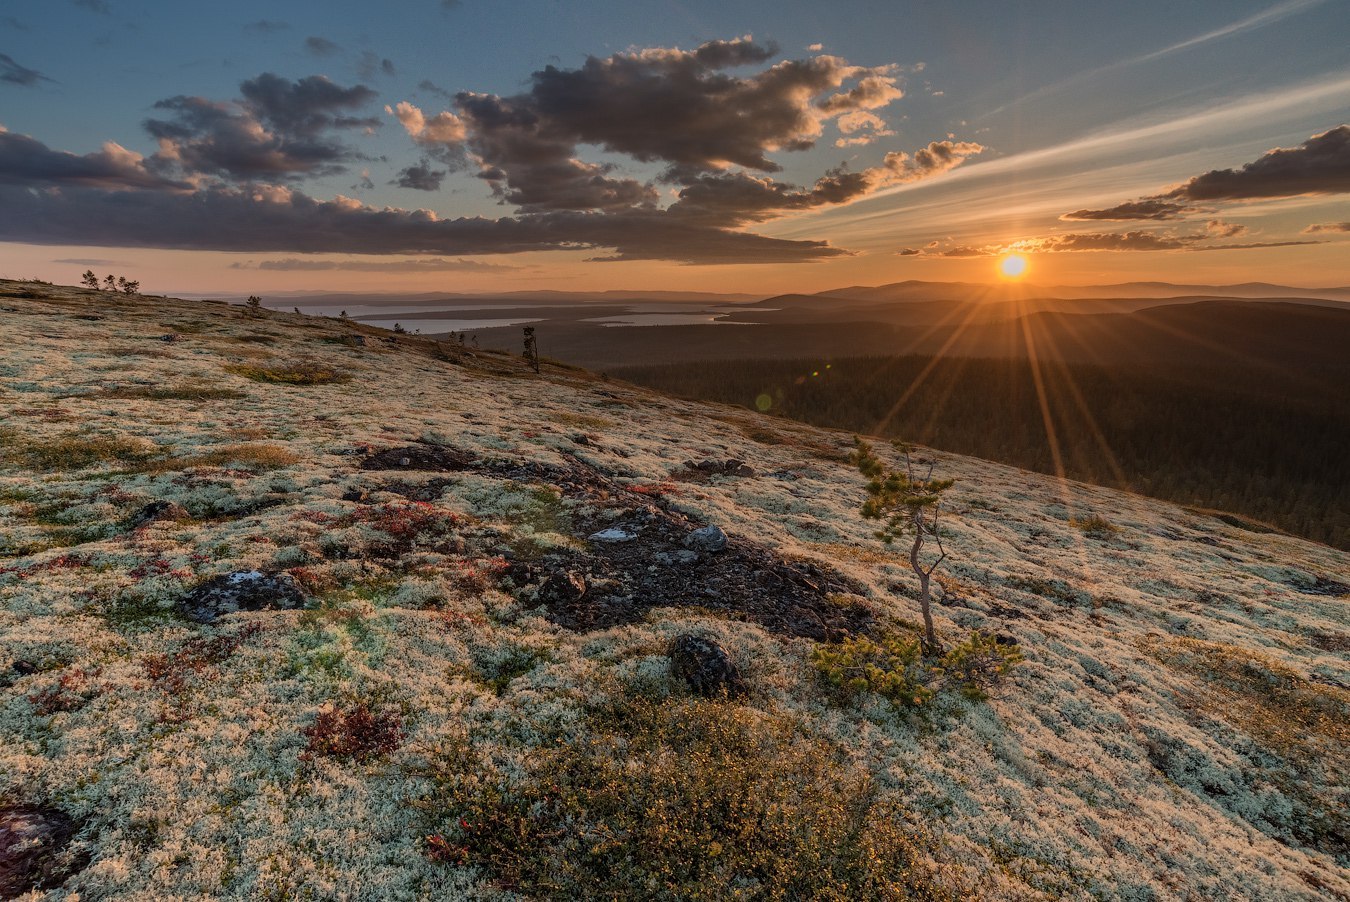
point(1265, 445)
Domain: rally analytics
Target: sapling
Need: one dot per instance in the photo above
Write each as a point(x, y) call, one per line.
point(89, 279)
point(254, 305)
point(908, 503)
point(109, 283)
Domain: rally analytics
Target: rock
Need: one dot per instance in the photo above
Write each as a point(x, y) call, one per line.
point(708, 538)
point(33, 849)
point(355, 494)
point(157, 512)
point(172, 336)
point(246, 590)
point(418, 457)
point(705, 666)
point(612, 535)
point(562, 587)
point(24, 668)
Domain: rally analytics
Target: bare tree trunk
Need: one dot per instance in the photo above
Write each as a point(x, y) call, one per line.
point(930, 639)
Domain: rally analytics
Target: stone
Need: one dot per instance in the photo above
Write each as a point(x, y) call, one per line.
point(612, 535)
point(172, 336)
point(245, 590)
point(708, 538)
point(419, 457)
point(34, 849)
point(24, 668)
point(705, 666)
point(158, 512)
point(562, 587)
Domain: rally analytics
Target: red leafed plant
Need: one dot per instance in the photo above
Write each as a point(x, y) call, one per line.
point(357, 734)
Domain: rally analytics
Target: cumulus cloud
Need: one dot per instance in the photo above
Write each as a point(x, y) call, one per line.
point(14, 74)
point(433, 264)
point(27, 161)
point(1148, 208)
point(420, 177)
point(279, 129)
point(1109, 241)
point(707, 121)
point(1319, 227)
point(1320, 165)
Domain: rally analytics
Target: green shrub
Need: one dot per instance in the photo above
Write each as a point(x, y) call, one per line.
point(894, 667)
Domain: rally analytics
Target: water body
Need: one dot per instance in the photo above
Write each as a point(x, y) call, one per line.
point(434, 326)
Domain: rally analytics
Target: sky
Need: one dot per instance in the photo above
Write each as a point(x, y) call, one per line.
point(462, 145)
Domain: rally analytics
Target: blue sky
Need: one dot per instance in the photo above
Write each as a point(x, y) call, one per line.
point(1072, 106)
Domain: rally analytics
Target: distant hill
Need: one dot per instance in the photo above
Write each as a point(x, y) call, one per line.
point(973, 291)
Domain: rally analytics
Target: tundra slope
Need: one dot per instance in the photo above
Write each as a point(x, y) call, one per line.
point(1175, 731)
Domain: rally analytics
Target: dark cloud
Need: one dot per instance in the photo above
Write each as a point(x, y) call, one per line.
point(279, 129)
point(1320, 165)
point(420, 177)
point(431, 87)
point(434, 264)
point(371, 65)
point(88, 261)
point(320, 46)
point(1317, 228)
point(14, 74)
point(270, 219)
point(266, 26)
point(1149, 208)
point(27, 161)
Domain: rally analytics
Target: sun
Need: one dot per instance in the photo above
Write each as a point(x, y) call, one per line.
point(1012, 266)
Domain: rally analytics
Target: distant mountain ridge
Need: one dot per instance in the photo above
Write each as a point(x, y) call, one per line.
point(912, 290)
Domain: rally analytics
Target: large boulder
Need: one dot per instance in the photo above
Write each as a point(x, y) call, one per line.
point(246, 590)
point(705, 665)
point(34, 849)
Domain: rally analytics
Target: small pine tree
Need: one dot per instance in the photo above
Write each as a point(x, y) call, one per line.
point(89, 279)
point(128, 286)
point(254, 305)
point(399, 330)
point(343, 315)
point(907, 502)
point(109, 283)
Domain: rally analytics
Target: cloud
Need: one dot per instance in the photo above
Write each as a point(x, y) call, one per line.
point(1217, 228)
point(1108, 241)
point(279, 129)
point(1148, 208)
point(1259, 244)
point(420, 177)
point(433, 264)
point(94, 6)
point(1317, 228)
point(371, 65)
point(27, 161)
point(861, 127)
point(266, 26)
point(88, 261)
point(264, 218)
point(815, 48)
point(709, 122)
point(320, 46)
point(1320, 165)
point(431, 87)
point(14, 74)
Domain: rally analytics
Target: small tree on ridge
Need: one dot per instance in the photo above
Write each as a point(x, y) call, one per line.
point(907, 502)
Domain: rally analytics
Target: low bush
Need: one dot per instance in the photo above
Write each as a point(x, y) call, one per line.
point(894, 666)
point(679, 799)
point(356, 734)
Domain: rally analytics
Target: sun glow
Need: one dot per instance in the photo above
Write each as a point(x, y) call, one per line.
point(1012, 266)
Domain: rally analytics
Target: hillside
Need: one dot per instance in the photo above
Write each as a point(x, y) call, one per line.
point(292, 607)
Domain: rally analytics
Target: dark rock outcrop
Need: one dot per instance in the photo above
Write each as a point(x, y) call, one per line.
point(705, 665)
point(34, 849)
point(246, 590)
